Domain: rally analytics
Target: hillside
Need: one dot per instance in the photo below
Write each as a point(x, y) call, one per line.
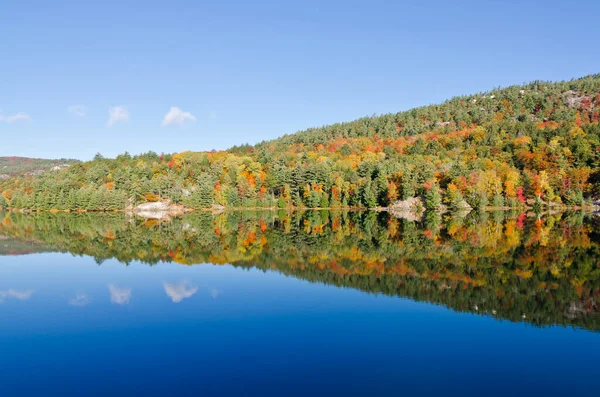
point(536, 144)
point(11, 167)
point(13, 246)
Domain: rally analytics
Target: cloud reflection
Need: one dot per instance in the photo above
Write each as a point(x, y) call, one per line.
point(181, 291)
point(120, 296)
point(16, 294)
point(81, 299)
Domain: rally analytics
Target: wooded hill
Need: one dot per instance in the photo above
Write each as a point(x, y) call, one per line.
point(11, 167)
point(536, 144)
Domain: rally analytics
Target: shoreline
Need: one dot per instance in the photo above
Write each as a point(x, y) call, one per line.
point(220, 209)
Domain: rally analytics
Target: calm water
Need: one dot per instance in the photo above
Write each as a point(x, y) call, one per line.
point(315, 303)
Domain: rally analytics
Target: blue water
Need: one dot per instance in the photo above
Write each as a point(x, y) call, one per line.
point(69, 326)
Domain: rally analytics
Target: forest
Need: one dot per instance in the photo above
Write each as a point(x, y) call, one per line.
point(535, 145)
point(543, 270)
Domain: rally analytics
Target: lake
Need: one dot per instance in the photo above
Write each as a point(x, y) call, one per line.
point(271, 303)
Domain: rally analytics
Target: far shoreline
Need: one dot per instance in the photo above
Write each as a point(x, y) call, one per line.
point(222, 209)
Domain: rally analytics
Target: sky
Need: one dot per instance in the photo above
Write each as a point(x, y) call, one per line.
point(78, 78)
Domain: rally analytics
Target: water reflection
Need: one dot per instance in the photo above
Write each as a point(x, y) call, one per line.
point(544, 270)
point(15, 294)
point(180, 291)
point(120, 296)
point(81, 299)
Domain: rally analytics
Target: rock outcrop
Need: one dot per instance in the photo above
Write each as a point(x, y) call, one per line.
point(411, 209)
point(158, 210)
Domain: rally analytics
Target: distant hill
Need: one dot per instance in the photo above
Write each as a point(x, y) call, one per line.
point(10, 246)
point(533, 145)
point(24, 166)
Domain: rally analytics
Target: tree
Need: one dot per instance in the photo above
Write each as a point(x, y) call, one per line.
point(369, 198)
point(392, 192)
point(433, 198)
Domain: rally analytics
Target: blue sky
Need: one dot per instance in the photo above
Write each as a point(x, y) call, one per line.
point(237, 71)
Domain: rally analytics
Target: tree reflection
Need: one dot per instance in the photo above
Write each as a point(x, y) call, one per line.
point(540, 269)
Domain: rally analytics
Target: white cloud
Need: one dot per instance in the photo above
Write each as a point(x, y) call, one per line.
point(77, 110)
point(11, 118)
point(117, 114)
point(212, 115)
point(215, 293)
point(80, 299)
point(16, 294)
point(120, 296)
point(178, 292)
point(177, 116)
